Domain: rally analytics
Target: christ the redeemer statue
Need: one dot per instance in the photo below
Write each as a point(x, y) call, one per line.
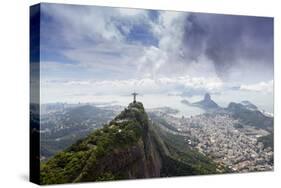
point(134, 94)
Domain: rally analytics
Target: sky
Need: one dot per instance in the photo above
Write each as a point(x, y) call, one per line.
point(99, 51)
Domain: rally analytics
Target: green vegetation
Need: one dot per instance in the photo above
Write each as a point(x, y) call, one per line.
point(69, 165)
point(181, 159)
point(76, 162)
point(163, 122)
point(61, 129)
point(128, 147)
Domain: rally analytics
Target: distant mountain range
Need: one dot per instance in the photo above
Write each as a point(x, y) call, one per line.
point(128, 147)
point(250, 116)
point(61, 126)
point(249, 105)
point(246, 112)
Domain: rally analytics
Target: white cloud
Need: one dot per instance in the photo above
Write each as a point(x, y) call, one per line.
point(170, 30)
point(151, 61)
point(131, 12)
point(146, 86)
point(94, 41)
point(102, 60)
point(265, 87)
point(104, 56)
point(78, 22)
point(168, 57)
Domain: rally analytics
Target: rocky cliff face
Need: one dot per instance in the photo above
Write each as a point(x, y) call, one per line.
point(129, 147)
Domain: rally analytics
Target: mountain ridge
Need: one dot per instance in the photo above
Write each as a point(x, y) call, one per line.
point(128, 147)
point(249, 116)
point(245, 111)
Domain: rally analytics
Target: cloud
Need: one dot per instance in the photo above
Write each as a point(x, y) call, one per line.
point(110, 40)
point(264, 87)
point(164, 85)
point(156, 43)
point(131, 12)
point(101, 50)
point(231, 42)
point(95, 38)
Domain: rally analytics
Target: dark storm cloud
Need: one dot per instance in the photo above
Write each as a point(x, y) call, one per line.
point(230, 41)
